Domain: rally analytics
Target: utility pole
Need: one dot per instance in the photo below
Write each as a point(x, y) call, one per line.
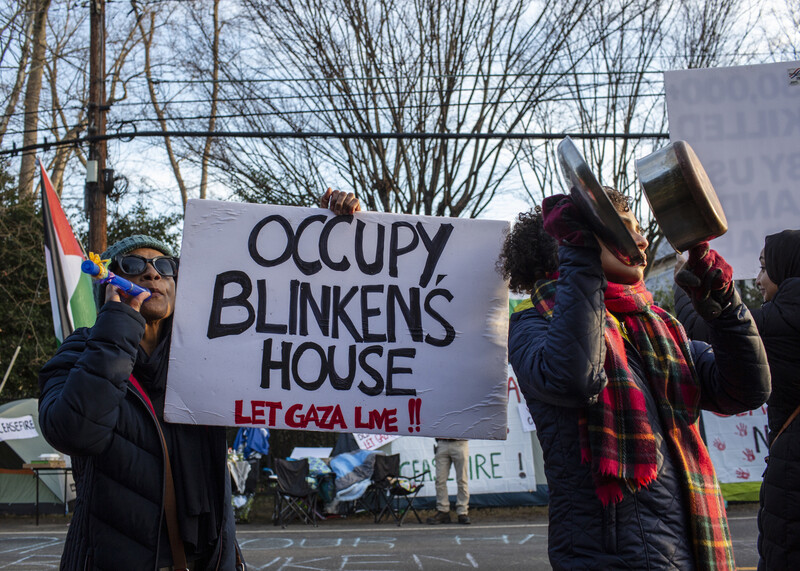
point(95, 191)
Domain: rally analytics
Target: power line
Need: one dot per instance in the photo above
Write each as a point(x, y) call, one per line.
point(289, 113)
point(330, 135)
point(414, 77)
point(380, 94)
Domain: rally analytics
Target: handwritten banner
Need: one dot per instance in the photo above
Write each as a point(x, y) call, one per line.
point(17, 428)
point(294, 318)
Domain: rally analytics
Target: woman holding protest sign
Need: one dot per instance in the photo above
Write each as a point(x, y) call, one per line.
point(615, 390)
point(151, 495)
point(778, 322)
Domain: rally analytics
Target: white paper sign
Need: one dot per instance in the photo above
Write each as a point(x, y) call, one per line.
point(525, 417)
point(17, 428)
point(294, 318)
point(744, 125)
point(737, 444)
point(368, 441)
point(493, 467)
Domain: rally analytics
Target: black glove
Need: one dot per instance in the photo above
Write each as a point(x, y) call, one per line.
point(708, 280)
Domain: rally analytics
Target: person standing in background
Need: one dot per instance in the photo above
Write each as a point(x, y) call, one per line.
point(455, 452)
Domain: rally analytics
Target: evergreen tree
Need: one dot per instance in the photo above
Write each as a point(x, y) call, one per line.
point(25, 317)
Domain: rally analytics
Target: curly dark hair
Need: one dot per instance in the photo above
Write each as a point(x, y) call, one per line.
point(620, 201)
point(529, 253)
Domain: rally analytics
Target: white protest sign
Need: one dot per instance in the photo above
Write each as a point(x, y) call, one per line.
point(525, 417)
point(493, 467)
point(744, 125)
point(295, 318)
point(368, 441)
point(17, 428)
point(737, 444)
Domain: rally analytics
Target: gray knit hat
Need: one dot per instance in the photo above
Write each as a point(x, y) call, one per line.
point(124, 246)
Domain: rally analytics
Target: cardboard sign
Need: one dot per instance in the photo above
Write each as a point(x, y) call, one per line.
point(744, 125)
point(295, 318)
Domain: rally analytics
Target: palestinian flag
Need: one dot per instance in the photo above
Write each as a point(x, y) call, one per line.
point(70, 289)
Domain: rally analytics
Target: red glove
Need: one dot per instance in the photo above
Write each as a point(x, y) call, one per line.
point(708, 279)
point(564, 222)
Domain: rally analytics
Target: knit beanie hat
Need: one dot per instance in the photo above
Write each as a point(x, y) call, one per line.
point(122, 247)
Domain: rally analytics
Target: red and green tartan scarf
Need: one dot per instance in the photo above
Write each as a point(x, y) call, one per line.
point(616, 437)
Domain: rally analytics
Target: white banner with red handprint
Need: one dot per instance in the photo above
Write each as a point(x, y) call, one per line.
point(737, 445)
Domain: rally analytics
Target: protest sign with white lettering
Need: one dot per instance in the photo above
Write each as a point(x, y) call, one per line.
point(295, 318)
point(744, 125)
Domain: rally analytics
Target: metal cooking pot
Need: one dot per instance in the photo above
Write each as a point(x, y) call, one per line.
point(595, 205)
point(681, 196)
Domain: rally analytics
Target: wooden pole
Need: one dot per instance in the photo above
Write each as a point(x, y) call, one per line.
point(95, 195)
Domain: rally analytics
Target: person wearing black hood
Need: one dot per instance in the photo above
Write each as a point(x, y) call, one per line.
point(150, 494)
point(778, 322)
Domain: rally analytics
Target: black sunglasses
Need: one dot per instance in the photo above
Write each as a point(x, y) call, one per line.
point(134, 265)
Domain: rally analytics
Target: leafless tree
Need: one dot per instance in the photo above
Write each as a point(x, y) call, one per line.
point(783, 35)
point(33, 90)
point(618, 87)
point(195, 48)
point(365, 66)
point(54, 80)
point(15, 46)
point(146, 22)
point(209, 45)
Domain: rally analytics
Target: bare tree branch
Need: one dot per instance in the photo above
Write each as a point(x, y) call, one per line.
point(384, 66)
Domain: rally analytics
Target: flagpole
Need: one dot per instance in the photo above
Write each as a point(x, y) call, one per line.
point(10, 365)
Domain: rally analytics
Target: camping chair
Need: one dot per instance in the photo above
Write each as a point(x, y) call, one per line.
point(374, 498)
point(294, 496)
point(392, 489)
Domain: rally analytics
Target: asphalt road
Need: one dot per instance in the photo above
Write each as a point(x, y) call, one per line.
point(518, 541)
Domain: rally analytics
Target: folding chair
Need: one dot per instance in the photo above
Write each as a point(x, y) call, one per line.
point(294, 496)
point(392, 488)
point(373, 499)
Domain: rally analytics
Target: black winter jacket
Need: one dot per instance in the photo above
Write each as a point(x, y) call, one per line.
point(778, 321)
point(559, 364)
point(89, 410)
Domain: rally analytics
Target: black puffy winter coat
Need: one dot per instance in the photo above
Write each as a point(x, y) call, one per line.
point(559, 364)
point(89, 410)
point(778, 322)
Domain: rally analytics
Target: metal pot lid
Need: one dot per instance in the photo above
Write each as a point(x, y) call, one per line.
point(597, 208)
point(681, 196)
